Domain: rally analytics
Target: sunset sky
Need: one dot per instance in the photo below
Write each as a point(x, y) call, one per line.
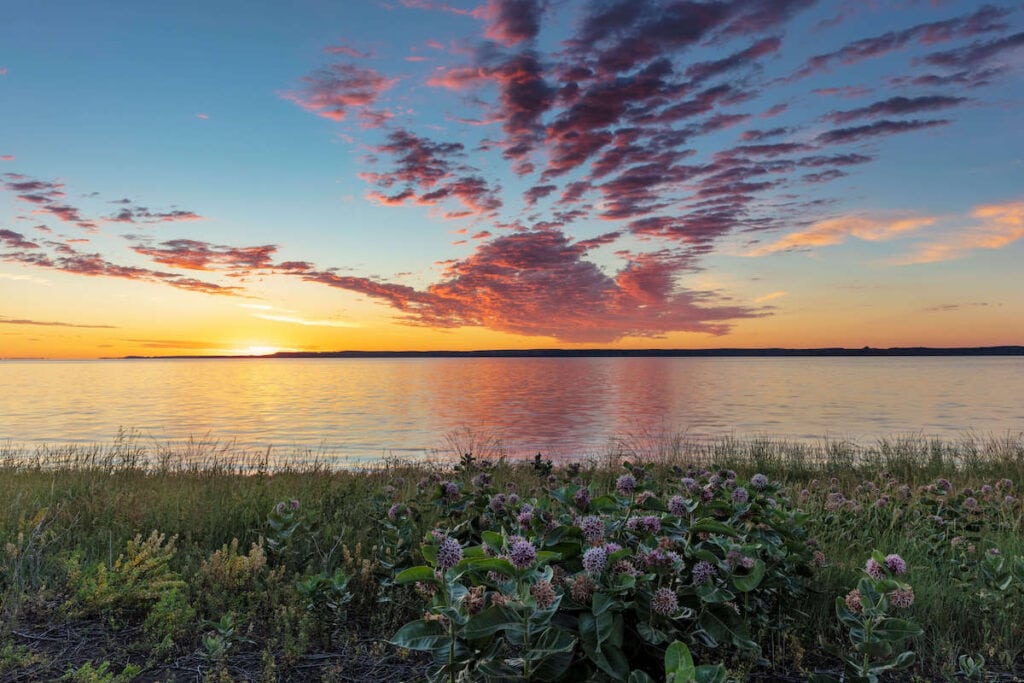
point(244, 177)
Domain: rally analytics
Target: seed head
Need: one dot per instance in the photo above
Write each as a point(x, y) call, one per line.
point(544, 593)
point(902, 597)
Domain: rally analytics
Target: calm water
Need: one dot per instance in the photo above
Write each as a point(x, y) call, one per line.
point(562, 407)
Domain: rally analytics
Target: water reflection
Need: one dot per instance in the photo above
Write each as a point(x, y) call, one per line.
point(558, 406)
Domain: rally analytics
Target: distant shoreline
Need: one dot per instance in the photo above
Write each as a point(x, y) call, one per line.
point(634, 353)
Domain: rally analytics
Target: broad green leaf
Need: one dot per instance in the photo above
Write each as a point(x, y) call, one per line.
point(488, 564)
point(679, 664)
point(492, 539)
point(898, 629)
point(650, 634)
point(710, 673)
point(413, 574)
point(747, 582)
point(710, 593)
point(713, 526)
point(421, 635)
point(492, 620)
point(639, 677)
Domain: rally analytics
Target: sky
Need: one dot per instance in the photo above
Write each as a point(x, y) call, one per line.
point(237, 178)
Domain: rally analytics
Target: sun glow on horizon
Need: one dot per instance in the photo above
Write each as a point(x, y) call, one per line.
point(256, 350)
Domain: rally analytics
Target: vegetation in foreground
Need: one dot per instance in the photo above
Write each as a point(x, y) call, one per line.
point(692, 561)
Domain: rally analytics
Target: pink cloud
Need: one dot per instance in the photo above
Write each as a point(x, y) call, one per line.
point(335, 90)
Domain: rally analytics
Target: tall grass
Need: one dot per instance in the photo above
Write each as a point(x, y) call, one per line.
point(89, 501)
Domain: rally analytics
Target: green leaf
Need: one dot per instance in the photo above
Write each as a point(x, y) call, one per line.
point(747, 582)
point(679, 664)
point(413, 574)
point(492, 620)
point(639, 677)
point(545, 556)
point(602, 601)
point(492, 539)
point(713, 526)
point(488, 564)
point(552, 641)
point(897, 629)
point(421, 635)
point(710, 593)
point(710, 673)
point(604, 503)
point(650, 634)
point(720, 630)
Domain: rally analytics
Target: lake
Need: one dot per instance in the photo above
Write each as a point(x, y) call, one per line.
point(562, 407)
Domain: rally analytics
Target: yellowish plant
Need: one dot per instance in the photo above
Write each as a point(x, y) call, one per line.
point(138, 578)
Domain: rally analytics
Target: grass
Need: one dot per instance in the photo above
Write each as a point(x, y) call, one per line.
point(68, 514)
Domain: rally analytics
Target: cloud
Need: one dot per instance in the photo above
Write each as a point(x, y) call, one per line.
point(335, 90)
point(7, 157)
point(15, 240)
point(634, 120)
point(130, 213)
point(64, 257)
point(997, 226)
point(701, 71)
point(198, 255)
point(202, 116)
point(347, 50)
point(298, 320)
point(770, 296)
point(977, 53)
point(877, 129)
point(429, 173)
point(946, 308)
point(896, 106)
point(838, 230)
point(4, 320)
point(511, 22)
point(985, 20)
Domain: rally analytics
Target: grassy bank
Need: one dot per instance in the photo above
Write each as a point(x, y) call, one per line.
point(171, 564)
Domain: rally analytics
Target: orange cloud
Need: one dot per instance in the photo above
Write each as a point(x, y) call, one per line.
point(837, 230)
point(1001, 225)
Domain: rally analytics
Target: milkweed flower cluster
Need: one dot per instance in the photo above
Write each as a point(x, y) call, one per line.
point(896, 564)
point(740, 495)
point(702, 571)
point(665, 602)
point(449, 553)
point(759, 481)
point(592, 528)
point(874, 569)
point(521, 553)
point(594, 560)
point(626, 484)
point(582, 498)
point(853, 600)
point(677, 506)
